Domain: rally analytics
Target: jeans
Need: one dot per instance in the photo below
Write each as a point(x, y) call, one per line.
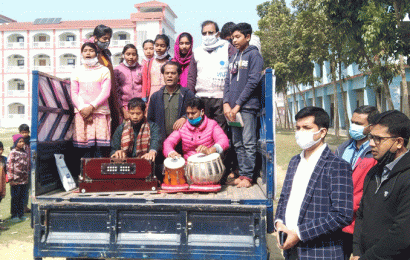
point(245, 143)
point(18, 193)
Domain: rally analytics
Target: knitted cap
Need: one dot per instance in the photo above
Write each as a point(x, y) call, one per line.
point(16, 139)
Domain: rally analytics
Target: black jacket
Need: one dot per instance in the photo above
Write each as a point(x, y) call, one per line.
point(156, 109)
point(382, 228)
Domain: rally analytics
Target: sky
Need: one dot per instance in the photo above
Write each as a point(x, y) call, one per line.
point(190, 13)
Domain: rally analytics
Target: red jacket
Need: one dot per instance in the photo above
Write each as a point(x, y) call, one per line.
point(363, 164)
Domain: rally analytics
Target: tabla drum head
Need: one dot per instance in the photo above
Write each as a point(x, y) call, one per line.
point(200, 157)
point(172, 163)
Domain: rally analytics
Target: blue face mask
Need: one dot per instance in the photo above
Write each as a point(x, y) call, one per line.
point(356, 132)
point(195, 121)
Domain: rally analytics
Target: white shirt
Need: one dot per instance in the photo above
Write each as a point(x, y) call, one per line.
point(299, 186)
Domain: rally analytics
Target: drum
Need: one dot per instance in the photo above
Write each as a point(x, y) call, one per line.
point(205, 169)
point(174, 171)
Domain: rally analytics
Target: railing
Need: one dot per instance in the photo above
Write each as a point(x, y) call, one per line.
point(16, 116)
point(68, 44)
point(66, 68)
point(41, 44)
point(16, 45)
point(16, 68)
point(42, 68)
point(16, 93)
point(120, 43)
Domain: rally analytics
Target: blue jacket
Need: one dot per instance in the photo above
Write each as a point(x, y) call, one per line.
point(156, 108)
point(242, 87)
point(326, 208)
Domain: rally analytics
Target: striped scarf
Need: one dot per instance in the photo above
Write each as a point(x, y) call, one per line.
point(143, 139)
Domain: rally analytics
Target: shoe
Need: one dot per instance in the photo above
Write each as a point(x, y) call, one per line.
point(27, 210)
point(23, 218)
point(15, 220)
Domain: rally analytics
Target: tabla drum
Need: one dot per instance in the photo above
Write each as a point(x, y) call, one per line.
point(205, 169)
point(174, 172)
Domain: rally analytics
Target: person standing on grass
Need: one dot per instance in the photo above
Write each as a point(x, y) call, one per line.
point(17, 172)
point(24, 130)
point(382, 228)
point(357, 152)
point(242, 94)
point(316, 201)
point(3, 163)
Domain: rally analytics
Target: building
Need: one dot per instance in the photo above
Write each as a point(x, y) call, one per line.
point(53, 46)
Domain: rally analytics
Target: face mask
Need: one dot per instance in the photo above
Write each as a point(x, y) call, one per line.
point(208, 40)
point(356, 132)
point(103, 45)
point(195, 121)
point(387, 158)
point(160, 57)
point(305, 139)
point(126, 64)
point(90, 62)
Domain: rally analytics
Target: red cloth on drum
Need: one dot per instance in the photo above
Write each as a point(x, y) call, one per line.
point(143, 138)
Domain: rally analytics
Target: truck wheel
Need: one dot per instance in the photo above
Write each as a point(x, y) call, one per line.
point(38, 258)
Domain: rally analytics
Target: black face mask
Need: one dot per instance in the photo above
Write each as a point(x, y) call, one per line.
point(387, 158)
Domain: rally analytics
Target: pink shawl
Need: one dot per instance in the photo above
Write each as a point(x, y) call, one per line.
point(184, 61)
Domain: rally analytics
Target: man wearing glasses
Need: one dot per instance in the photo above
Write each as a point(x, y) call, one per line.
point(382, 229)
point(357, 152)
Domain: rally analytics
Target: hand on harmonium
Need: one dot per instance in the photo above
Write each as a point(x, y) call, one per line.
point(120, 154)
point(205, 150)
point(150, 156)
point(174, 155)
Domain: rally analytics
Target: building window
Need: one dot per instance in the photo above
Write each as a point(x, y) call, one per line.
point(42, 38)
point(20, 110)
point(20, 86)
point(20, 62)
point(70, 38)
point(20, 39)
point(42, 62)
point(71, 62)
point(122, 37)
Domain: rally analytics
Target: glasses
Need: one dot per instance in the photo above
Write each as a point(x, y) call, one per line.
point(378, 139)
point(208, 33)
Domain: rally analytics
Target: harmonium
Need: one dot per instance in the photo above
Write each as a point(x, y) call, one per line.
point(108, 174)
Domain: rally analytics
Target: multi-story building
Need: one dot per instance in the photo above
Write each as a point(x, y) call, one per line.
point(53, 46)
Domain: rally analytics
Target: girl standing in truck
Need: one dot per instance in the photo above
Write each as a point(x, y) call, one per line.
point(152, 79)
point(183, 54)
point(128, 77)
point(90, 90)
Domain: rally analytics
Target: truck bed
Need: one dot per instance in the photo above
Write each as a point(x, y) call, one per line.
point(228, 194)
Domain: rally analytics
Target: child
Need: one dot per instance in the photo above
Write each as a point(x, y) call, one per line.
point(101, 38)
point(3, 163)
point(24, 130)
point(152, 79)
point(128, 76)
point(241, 94)
point(148, 47)
point(90, 89)
point(183, 55)
point(17, 172)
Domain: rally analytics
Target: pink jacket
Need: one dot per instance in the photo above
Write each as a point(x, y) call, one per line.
point(129, 82)
point(208, 133)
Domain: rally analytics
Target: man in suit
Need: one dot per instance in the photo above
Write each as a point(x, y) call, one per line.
point(317, 195)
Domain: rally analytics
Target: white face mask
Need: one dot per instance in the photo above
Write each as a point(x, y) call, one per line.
point(126, 64)
point(305, 139)
point(208, 40)
point(90, 62)
point(160, 57)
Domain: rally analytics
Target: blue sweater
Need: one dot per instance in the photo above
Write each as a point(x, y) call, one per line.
point(242, 88)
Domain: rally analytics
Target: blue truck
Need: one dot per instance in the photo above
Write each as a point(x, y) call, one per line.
point(230, 224)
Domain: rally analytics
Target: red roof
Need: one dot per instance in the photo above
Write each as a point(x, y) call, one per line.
point(151, 4)
point(2, 17)
point(147, 16)
point(120, 23)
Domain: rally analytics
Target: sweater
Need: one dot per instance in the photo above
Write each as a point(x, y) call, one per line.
point(242, 88)
point(18, 167)
point(146, 78)
point(91, 86)
point(156, 109)
point(363, 164)
point(128, 82)
point(207, 70)
point(382, 228)
point(208, 134)
point(155, 139)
